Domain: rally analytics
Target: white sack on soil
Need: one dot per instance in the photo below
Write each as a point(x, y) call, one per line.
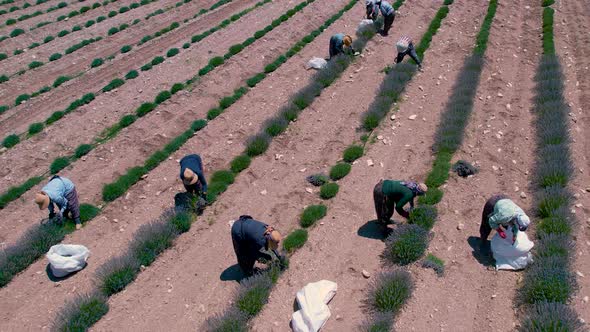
point(313, 303)
point(317, 63)
point(67, 258)
point(363, 24)
point(512, 256)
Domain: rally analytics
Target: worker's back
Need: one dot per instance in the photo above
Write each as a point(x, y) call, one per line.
point(396, 190)
point(249, 232)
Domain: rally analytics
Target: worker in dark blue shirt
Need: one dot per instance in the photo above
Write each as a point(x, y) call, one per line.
point(191, 174)
point(249, 237)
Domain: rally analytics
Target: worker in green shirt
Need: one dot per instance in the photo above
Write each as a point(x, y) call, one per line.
point(499, 213)
point(390, 193)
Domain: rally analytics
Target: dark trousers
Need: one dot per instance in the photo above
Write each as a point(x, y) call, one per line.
point(488, 209)
point(73, 206)
point(334, 50)
point(247, 257)
point(383, 205)
point(371, 13)
point(411, 51)
point(194, 189)
point(387, 22)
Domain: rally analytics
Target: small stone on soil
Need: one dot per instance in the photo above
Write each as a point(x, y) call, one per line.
point(366, 274)
point(580, 274)
point(460, 226)
point(264, 192)
point(370, 162)
point(412, 117)
point(522, 194)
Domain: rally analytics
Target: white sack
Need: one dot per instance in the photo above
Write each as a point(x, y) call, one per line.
point(317, 63)
point(363, 24)
point(67, 258)
point(509, 256)
point(313, 300)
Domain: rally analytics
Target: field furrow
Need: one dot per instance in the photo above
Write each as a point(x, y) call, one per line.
point(45, 75)
point(106, 231)
point(108, 108)
point(573, 47)
point(346, 244)
point(131, 36)
point(53, 21)
point(499, 140)
point(113, 93)
point(300, 147)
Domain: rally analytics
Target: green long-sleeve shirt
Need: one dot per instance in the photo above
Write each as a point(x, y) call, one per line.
point(398, 193)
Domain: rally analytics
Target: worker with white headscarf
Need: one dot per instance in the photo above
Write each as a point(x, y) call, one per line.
point(499, 213)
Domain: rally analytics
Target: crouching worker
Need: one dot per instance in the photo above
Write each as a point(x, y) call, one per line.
point(390, 194)
point(510, 247)
point(340, 43)
point(405, 46)
point(499, 213)
point(60, 192)
point(249, 238)
point(191, 174)
point(372, 9)
point(388, 13)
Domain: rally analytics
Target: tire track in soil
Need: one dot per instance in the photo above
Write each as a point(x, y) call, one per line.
point(30, 300)
point(110, 160)
point(93, 79)
point(52, 17)
point(495, 137)
point(107, 109)
point(344, 246)
point(59, 45)
point(185, 281)
point(572, 44)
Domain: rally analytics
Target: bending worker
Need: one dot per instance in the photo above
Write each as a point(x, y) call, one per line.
point(61, 192)
point(340, 43)
point(249, 237)
point(406, 47)
point(372, 9)
point(499, 213)
point(191, 174)
point(390, 193)
point(388, 13)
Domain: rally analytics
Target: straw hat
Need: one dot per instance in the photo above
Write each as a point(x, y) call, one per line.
point(274, 238)
point(42, 200)
point(189, 177)
point(422, 187)
point(347, 40)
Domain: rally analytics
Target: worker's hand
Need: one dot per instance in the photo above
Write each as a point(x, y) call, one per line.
point(501, 232)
